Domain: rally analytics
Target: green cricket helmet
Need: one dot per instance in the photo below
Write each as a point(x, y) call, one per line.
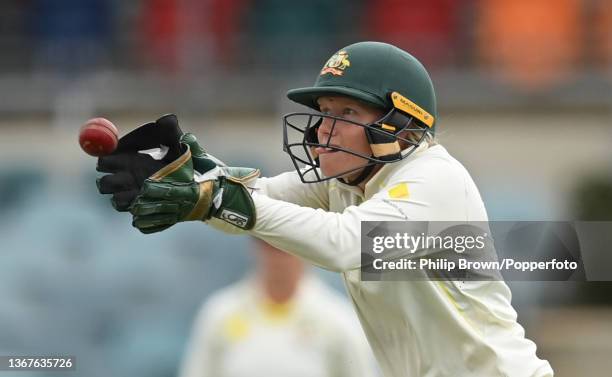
point(377, 74)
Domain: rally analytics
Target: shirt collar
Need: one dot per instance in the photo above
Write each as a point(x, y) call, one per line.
point(378, 181)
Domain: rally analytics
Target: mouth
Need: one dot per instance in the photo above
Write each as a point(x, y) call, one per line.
point(323, 150)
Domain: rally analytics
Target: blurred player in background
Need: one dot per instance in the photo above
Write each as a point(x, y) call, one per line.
point(280, 321)
point(368, 153)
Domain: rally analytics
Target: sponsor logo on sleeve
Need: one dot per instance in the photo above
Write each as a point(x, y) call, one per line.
point(234, 218)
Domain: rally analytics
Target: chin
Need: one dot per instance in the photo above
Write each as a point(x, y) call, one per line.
point(333, 172)
point(337, 166)
point(328, 172)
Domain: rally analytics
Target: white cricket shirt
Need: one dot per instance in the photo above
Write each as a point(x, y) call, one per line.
point(415, 328)
point(239, 333)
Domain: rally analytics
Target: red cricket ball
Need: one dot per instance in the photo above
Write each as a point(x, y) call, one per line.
point(98, 137)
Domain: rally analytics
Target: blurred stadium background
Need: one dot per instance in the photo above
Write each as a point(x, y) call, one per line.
point(525, 97)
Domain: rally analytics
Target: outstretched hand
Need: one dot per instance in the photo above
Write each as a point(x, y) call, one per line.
point(144, 152)
point(175, 197)
point(139, 154)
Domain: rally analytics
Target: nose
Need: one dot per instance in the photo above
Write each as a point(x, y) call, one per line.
point(326, 130)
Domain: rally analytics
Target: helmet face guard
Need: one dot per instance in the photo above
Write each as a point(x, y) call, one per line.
point(386, 136)
point(380, 75)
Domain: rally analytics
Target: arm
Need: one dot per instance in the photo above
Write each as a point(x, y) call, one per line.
point(289, 188)
point(433, 191)
point(286, 187)
point(428, 191)
point(329, 240)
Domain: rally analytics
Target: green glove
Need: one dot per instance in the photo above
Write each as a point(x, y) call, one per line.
point(134, 159)
point(202, 161)
point(172, 195)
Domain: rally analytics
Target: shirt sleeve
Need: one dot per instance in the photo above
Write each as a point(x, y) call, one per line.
point(329, 240)
point(289, 188)
point(333, 240)
point(286, 187)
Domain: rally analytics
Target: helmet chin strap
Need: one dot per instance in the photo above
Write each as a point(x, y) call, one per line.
point(365, 173)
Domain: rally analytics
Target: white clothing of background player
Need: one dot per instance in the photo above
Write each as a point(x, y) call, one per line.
point(281, 320)
point(368, 153)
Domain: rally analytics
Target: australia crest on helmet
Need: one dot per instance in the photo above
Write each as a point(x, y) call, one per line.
point(336, 64)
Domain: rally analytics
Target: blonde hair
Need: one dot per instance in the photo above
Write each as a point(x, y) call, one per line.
point(429, 139)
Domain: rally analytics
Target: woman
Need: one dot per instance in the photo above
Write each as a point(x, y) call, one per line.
point(367, 154)
point(280, 320)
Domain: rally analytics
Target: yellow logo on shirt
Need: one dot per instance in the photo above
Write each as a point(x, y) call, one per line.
point(236, 328)
point(399, 191)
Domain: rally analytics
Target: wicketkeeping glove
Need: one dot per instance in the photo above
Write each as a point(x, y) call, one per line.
point(143, 152)
point(172, 195)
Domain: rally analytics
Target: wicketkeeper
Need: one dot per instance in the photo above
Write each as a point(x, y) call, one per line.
point(366, 152)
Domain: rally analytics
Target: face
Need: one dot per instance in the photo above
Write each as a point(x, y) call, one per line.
point(277, 266)
point(345, 135)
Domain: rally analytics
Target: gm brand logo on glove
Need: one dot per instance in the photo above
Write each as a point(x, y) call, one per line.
point(234, 218)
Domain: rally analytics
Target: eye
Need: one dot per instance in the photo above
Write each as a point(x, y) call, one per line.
point(348, 111)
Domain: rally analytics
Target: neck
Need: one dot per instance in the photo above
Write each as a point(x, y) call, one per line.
point(365, 181)
point(422, 146)
point(280, 290)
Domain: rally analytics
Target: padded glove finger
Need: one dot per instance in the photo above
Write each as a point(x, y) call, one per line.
point(164, 130)
point(145, 209)
point(177, 191)
point(154, 229)
point(112, 183)
point(122, 200)
point(140, 165)
point(113, 163)
point(154, 221)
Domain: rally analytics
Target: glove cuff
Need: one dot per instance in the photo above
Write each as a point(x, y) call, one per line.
point(201, 209)
point(237, 206)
